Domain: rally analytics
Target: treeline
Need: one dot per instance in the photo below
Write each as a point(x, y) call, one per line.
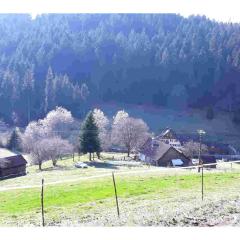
point(79, 59)
point(58, 134)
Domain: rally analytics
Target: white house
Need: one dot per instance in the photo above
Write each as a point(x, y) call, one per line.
point(168, 136)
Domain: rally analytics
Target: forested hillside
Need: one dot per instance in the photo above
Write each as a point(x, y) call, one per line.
point(78, 60)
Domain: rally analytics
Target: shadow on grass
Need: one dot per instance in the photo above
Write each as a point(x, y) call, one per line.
point(101, 165)
point(58, 167)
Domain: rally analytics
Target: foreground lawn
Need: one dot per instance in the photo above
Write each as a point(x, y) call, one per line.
point(22, 207)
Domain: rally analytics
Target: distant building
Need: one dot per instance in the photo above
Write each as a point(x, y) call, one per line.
point(158, 153)
point(12, 166)
point(168, 136)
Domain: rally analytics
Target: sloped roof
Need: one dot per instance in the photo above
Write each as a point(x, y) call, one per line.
point(166, 133)
point(12, 161)
point(154, 152)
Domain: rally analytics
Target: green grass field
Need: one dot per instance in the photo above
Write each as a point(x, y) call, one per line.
point(89, 194)
point(73, 200)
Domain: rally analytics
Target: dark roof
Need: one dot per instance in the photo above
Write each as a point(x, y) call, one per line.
point(154, 149)
point(12, 161)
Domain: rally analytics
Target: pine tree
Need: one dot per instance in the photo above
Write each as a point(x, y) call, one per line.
point(210, 113)
point(28, 86)
point(89, 136)
point(49, 91)
point(14, 142)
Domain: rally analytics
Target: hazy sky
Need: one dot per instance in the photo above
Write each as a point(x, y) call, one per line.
point(221, 10)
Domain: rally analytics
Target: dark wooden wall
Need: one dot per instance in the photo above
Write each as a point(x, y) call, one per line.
point(13, 172)
point(172, 153)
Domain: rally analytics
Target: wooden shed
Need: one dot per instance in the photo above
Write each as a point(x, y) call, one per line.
point(12, 166)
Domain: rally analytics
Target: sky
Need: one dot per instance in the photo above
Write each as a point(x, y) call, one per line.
point(219, 10)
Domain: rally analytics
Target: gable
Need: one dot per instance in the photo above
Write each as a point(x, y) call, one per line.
point(171, 154)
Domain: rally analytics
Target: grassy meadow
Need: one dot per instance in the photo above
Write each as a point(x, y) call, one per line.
point(73, 201)
point(74, 196)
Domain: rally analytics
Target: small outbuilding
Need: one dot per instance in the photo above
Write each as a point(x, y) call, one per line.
point(12, 166)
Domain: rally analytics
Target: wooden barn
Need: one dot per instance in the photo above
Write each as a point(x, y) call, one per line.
point(162, 154)
point(12, 166)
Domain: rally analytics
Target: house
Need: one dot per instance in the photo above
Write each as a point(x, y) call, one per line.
point(168, 136)
point(12, 166)
point(158, 153)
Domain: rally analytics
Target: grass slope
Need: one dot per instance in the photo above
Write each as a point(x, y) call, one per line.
point(22, 207)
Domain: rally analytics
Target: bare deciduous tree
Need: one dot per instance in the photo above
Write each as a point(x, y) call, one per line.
point(38, 154)
point(120, 115)
point(130, 133)
point(50, 149)
point(191, 149)
point(34, 132)
point(102, 123)
point(56, 148)
point(58, 121)
point(42, 139)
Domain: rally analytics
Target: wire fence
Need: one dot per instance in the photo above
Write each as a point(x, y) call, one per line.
point(146, 196)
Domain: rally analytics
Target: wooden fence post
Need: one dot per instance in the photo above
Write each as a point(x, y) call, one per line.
point(202, 182)
point(42, 197)
point(115, 189)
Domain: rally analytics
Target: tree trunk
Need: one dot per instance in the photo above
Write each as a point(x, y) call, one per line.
point(90, 157)
point(40, 166)
point(128, 153)
point(54, 161)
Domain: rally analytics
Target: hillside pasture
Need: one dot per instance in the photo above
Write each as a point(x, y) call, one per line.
point(87, 201)
point(148, 195)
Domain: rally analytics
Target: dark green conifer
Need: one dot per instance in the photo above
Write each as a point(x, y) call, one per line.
point(89, 136)
point(14, 142)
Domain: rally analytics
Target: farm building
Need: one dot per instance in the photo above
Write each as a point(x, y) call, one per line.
point(12, 166)
point(168, 136)
point(161, 154)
